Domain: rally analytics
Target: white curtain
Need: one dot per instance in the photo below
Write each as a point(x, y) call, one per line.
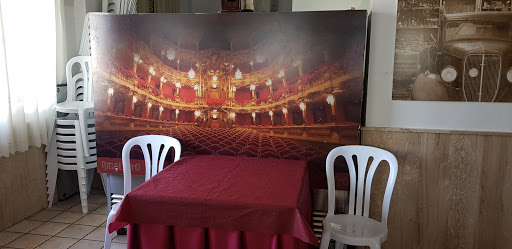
point(28, 49)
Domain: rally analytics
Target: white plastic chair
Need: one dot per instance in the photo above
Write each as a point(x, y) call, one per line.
point(153, 165)
point(79, 96)
point(356, 228)
point(78, 102)
point(66, 153)
point(120, 6)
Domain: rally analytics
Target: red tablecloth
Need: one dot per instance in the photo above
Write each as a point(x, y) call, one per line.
point(215, 198)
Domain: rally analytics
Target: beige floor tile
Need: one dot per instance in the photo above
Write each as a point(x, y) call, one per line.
point(44, 215)
point(24, 226)
point(8, 237)
point(120, 239)
point(101, 210)
point(68, 217)
point(98, 234)
point(78, 207)
point(87, 244)
point(76, 231)
point(104, 224)
point(49, 228)
point(64, 205)
point(28, 241)
point(92, 220)
point(101, 199)
point(57, 243)
point(118, 246)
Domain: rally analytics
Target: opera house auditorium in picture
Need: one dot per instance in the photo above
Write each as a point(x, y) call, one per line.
point(285, 89)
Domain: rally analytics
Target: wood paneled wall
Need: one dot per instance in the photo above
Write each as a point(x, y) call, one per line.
point(22, 185)
point(453, 190)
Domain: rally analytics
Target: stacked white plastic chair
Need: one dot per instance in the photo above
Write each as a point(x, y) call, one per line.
point(153, 162)
point(73, 137)
point(356, 228)
point(108, 6)
point(120, 6)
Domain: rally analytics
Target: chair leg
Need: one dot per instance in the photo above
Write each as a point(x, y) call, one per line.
point(374, 245)
point(51, 178)
point(108, 236)
point(90, 178)
point(51, 170)
point(83, 131)
point(326, 238)
point(106, 186)
point(82, 186)
point(51, 128)
point(51, 149)
point(339, 245)
point(108, 239)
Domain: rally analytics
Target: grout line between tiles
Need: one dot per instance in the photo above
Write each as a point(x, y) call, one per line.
point(68, 224)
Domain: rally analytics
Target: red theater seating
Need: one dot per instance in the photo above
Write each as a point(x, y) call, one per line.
point(229, 142)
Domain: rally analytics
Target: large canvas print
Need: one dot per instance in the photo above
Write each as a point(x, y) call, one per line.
point(278, 85)
point(453, 50)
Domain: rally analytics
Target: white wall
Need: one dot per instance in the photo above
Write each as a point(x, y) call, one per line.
point(382, 111)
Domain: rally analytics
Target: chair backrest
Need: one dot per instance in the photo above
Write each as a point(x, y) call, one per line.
point(79, 86)
point(120, 6)
point(113, 6)
point(153, 164)
point(363, 183)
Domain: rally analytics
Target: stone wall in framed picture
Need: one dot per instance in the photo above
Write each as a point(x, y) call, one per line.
point(453, 50)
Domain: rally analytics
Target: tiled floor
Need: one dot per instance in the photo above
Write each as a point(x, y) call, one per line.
point(63, 226)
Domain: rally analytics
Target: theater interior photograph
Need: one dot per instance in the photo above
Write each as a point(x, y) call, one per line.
point(268, 85)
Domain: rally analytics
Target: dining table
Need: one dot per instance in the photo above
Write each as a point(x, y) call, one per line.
point(221, 202)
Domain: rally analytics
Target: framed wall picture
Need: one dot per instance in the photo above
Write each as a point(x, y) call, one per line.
point(453, 50)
